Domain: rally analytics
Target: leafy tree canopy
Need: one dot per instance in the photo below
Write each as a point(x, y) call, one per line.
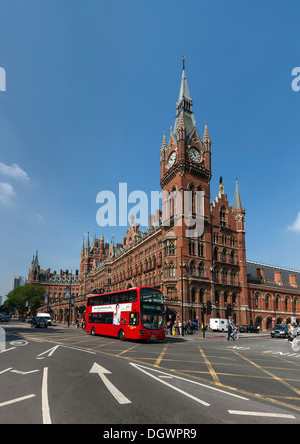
point(16, 299)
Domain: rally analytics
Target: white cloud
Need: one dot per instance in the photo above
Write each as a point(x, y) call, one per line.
point(39, 217)
point(13, 171)
point(6, 193)
point(296, 225)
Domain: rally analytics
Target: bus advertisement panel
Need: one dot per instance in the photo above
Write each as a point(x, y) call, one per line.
point(137, 313)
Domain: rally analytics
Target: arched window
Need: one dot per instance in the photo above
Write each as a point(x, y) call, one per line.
point(232, 278)
point(172, 270)
point(202, 295)
point(192, 269)
point(224, 276)
point(172, 248)
point(286, 302)
point(225, 297)
point(193, 295)
point(224, 255)
point(201, 270)
point(223, 217)
point(191, 247)
point(233, 298)
point(215, 275)
point(215, 257)
point(267, 299)
point(200, 249)
point(192, 200)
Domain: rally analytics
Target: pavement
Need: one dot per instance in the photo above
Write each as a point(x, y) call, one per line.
point(196, 336)
point(211, 335)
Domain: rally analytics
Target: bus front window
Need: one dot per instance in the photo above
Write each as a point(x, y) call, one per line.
point(152, 309)
point(153, 321)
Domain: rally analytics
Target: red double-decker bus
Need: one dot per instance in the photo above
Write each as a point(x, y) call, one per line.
point(137, 313)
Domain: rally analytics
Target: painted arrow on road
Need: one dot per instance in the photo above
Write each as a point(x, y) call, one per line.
point(113, 390)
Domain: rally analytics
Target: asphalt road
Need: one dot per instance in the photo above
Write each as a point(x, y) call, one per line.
point(64, 376)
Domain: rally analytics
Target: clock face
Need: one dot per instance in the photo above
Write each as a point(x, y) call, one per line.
point(195, 155)
point(172, 159)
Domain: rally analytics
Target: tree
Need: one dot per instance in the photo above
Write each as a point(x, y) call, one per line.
point(16, 299)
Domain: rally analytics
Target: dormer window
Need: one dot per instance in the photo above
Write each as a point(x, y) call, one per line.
point(223, 218)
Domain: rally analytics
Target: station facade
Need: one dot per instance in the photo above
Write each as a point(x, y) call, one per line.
point(191, 266)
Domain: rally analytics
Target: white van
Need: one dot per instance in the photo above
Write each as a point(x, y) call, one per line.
point(46, 316)
point(216, 324)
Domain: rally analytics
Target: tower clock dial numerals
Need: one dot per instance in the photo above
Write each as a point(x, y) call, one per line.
point(172, 159)
point(195, 155)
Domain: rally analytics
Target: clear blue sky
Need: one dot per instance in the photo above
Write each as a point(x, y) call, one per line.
point(92, 85)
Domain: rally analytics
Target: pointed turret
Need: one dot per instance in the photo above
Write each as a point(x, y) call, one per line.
point(82, 248)
point(164, 148)
point(184, 107)
point(87, 245)
point(206, 137)
point(237, 198)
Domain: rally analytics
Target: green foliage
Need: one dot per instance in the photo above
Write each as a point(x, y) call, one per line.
point(16, 299)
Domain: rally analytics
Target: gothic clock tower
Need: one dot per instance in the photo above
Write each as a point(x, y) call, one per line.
point(185, 171)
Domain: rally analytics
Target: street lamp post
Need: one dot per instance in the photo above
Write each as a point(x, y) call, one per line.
point(181, 264)
point(70, 293)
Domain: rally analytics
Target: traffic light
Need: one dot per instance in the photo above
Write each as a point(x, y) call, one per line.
point(228, 310)
point(208, 307)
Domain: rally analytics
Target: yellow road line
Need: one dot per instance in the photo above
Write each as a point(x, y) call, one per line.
point(282, 381)
point(210, 368)
point(158, 361)
point(128, 349)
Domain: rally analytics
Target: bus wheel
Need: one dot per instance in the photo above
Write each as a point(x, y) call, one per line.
point(121, 335)
point(93, 331)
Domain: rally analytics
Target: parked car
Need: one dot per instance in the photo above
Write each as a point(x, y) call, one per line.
point(243, 328)
point(280, 331)
point(39, 323)
point(4, 318)
point(248, 329)
point(45, 316)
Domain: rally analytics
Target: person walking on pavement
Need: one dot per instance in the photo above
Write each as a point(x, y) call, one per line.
point(229, 332)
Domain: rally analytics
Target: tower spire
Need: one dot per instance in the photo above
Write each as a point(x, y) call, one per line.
point(184, 105)
point(237, 198)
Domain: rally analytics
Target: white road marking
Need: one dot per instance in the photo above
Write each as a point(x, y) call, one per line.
point(19, 343)
point(8, 349)
point(19, 372)
point(6, 370)
point(45, 402)
point(79, 349)
point(113, 390)
point(141, 367)
point(50, 351)
point(270, 415)
point(12, 401)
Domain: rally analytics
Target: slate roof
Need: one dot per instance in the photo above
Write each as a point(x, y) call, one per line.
point(269, 271)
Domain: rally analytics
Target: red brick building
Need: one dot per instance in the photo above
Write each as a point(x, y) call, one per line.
point(189, 270)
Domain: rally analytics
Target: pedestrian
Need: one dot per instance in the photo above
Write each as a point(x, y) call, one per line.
point(229, 332)
point(292, 332)
point(234, 333)
point(179, 327)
